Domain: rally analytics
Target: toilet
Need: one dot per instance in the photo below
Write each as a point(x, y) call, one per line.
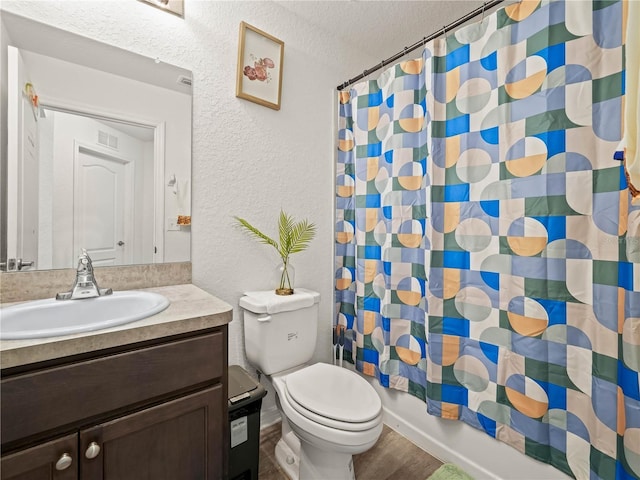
point(328, 413)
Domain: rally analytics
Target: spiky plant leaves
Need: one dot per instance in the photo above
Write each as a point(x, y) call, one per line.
point(285, 224)
point(301, 235)
point(261, 237)
point(294, 236)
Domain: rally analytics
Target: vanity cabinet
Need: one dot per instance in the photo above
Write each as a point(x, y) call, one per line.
point(52, 460)
point(168, 441)
point(156, 410)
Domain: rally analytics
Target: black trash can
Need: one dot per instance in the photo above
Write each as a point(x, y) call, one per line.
point(245, 400)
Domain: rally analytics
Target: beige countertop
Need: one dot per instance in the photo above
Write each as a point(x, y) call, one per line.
point(191, 309)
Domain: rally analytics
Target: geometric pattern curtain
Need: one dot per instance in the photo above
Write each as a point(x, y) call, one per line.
point(381, 220)
point(529, 285)
point(524, 247)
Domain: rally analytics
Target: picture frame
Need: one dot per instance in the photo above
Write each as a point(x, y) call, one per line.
point(172, 6)
point(260, 60)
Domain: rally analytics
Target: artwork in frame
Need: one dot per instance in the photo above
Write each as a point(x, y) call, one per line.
point(259, 76)
point(172, 6)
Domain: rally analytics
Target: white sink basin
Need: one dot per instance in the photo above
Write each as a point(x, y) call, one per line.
point(51, 317)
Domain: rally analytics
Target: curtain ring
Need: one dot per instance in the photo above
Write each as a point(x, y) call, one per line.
point(424, 41)
point(444, 32)
point(382, 64)
point(484, 4)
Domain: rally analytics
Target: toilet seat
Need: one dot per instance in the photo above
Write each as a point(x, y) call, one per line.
point(334, 397)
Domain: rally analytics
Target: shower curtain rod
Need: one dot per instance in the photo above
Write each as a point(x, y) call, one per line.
point(465, 18)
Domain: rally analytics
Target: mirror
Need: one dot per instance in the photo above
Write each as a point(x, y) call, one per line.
point(97, 152)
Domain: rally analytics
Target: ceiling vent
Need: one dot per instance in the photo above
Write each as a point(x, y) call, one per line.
point(107, 140)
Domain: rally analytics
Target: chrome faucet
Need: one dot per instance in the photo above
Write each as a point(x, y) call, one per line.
point(85, 285)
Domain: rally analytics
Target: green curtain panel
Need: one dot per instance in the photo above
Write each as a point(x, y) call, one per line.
point(487, 253)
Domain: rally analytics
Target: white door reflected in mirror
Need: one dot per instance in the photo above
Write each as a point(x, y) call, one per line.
point(102, 200)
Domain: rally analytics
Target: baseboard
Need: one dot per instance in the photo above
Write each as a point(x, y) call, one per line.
point(433, 446)
point(268, 417)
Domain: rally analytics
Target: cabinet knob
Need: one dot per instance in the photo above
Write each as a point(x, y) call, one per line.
point(64, 462)
point(92, 451)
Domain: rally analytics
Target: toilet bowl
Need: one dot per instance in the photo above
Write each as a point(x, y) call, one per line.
point(328, 413)
point(334, 414)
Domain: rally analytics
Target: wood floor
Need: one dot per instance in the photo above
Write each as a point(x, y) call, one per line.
point(393, 457)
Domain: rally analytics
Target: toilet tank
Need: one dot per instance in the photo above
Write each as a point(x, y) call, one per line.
point(280, 331)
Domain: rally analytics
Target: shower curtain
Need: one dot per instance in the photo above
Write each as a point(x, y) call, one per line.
point(487, 254)
point(381, 221)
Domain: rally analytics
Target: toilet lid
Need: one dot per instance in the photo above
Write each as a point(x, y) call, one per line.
point(334, 392)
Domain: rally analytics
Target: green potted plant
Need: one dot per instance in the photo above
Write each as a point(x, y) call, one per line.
point(294, 237)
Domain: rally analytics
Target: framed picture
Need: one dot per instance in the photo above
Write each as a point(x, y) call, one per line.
point(259, 76)
point(172, 6)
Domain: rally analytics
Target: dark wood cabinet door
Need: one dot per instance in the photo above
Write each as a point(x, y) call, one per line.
point(54, 460)
point(178, 440)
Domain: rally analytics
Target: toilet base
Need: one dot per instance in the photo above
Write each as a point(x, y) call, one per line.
point(306, 468)
point(302, 461)
point(287, 452)
point(318, 464)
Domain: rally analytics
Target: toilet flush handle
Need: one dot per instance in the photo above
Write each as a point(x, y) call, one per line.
point(264, 318)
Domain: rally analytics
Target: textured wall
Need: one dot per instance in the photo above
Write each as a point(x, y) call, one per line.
point(248, 160)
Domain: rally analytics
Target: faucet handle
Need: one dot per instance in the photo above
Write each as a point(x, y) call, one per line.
point(84, 261)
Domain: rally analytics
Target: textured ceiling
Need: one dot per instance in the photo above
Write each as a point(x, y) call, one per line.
point(380, 28)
